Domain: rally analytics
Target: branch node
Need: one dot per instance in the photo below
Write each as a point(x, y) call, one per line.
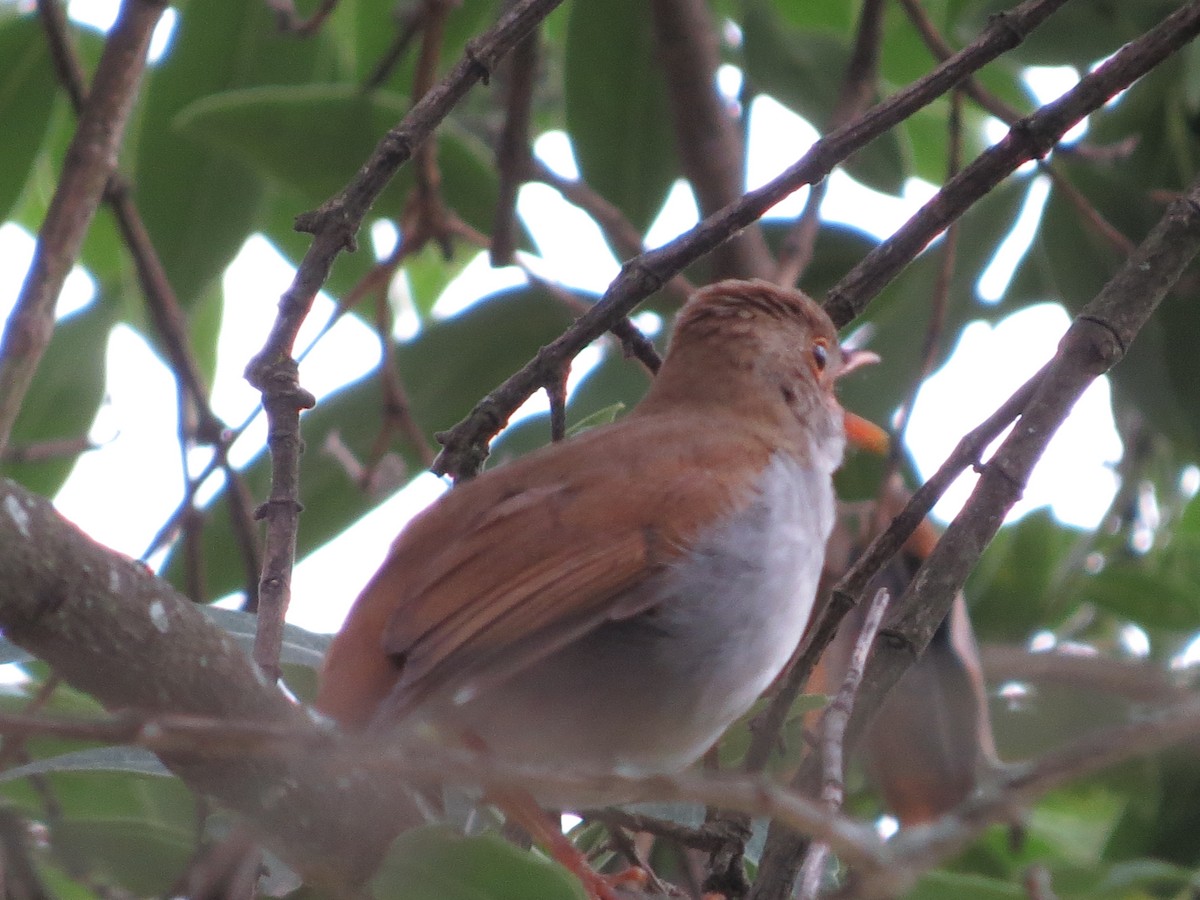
point(283, 503)
point(471, 51)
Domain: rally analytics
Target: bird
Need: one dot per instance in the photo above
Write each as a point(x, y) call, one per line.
point(611, 603)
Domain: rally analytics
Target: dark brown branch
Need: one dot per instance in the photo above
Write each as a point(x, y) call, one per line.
point(1031, 137)
point(464, 446)
point(512, 150)
point(859, 87)
point(1096, 340)
point(833, 728)
point(918, 850)
point(165, 312)
point(334, 227)
point(707, 138)
point(91, 159)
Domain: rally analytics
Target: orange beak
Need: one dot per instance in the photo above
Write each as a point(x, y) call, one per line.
point(866, 435)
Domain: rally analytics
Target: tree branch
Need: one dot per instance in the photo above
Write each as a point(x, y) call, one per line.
point(1031, 137)
point(464, 445)
point(707, 140)
point(334, 227)
point(91, 159)
point(1096, 340)
point(111, 629)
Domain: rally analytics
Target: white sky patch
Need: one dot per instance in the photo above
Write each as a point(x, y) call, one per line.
point(1047, 84)
point(16, 252)
point(1075, 476)
point(679, 214)
point(318, 602)
point(999, 272)
point(121, 493)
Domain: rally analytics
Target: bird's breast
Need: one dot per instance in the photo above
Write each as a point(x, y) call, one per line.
point(737, 604)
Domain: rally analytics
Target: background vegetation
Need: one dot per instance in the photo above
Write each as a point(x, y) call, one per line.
point(258, 114)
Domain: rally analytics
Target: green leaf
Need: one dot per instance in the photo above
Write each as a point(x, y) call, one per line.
point(122, 828)
point(311, 139)
point(28, 86)
point(144, 858)
point(199, 206)
point(300, 647)
point(599, 417)
point(428, 274)
point(131, 760)
point(942, 885)
point(1151, 599)
point(1008, 589)
point(434, 864)
point(616, 107)
point(65, 394)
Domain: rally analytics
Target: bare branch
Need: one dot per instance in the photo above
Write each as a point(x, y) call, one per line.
point(91, 159)
point(464, 446)
point(707, 138)
point(858, 90)
point(1031, 137)
point(837, 715)
point(334, 226)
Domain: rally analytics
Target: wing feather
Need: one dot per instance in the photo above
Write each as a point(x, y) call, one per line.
point(516, 564)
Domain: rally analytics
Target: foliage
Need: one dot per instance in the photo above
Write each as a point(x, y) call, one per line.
point(240, 128)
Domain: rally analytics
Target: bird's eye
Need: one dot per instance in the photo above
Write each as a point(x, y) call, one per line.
point(820, 352)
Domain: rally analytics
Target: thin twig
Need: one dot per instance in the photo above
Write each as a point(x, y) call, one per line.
point(464, 446)
point(42, 451)
point(166, 314)
point(512, 149)
point(859, 86)
point(708, 139)
point(409, 24)
point(837, 715)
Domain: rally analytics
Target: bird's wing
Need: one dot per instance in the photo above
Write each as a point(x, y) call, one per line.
point(506, 570)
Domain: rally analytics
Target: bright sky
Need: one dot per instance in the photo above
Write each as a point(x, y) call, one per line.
point(1075, 477)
